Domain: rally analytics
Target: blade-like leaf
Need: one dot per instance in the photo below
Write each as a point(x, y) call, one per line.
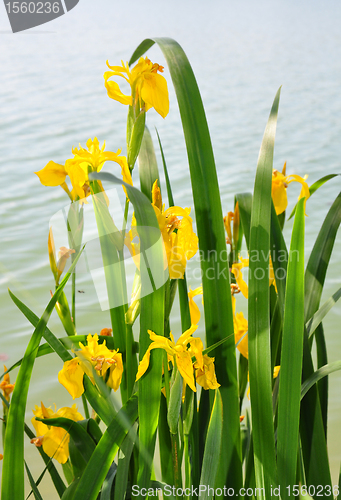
point(291, 359)
point(111, 242)
point(125, 453)
point(105, 452)
point(259, 314)
point(13, 466)
point(314, 281)
point(313, 440)
point(153, 278)
point(319, 258)
point(212, 448)
point(34, 487)
point(108, 483)
point(316, 376)
point(168, 184)
point(245, 206)
point(316, 319)
point(55, 343)
point(212, 244)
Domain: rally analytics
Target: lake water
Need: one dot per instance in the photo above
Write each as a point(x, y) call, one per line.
point(52, 97)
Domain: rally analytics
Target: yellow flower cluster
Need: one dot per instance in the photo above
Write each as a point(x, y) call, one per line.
point(55, 440)
point(92, 358)
point(77, 168)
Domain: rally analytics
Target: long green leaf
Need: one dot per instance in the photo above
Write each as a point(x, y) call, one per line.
point(319, 258)
point(291, 359)
point(212, 244)
point(168, 184)
point(314, 281)
point(151, 318)
point(313, 440)
point(316, 319)
point(13, 466)
point(259, 314)
point(55, 343)
point(105, 452)
point(245, 207)
point(34, 487)
point(318, 375)
point(123, 465)
point(212, 448)
point(111, 242)
point(108, 483)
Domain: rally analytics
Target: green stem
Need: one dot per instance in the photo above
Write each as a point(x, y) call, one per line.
point(175, 457)
point(188, 481)
point(130, 369)
point(74, 298)
point(85, 406)
point(166, 375)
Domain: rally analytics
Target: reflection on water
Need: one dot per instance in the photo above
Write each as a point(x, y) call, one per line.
point(52, 97)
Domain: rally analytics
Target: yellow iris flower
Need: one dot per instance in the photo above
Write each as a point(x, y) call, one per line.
point(92, 158)
point(176, 351)
point(180, 242)
point(148, 88)
point(280, 182)
point(240, 325)
point(6, 385)
point(181, 353)
point(55, 440)
point(234, 218)
point(241, 283)
point(193, 308)
point(239, 322)
point(91, 357)
point(205, 375)
point(236, 270)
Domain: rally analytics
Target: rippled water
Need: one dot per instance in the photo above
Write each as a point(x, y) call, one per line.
point(52, 97)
